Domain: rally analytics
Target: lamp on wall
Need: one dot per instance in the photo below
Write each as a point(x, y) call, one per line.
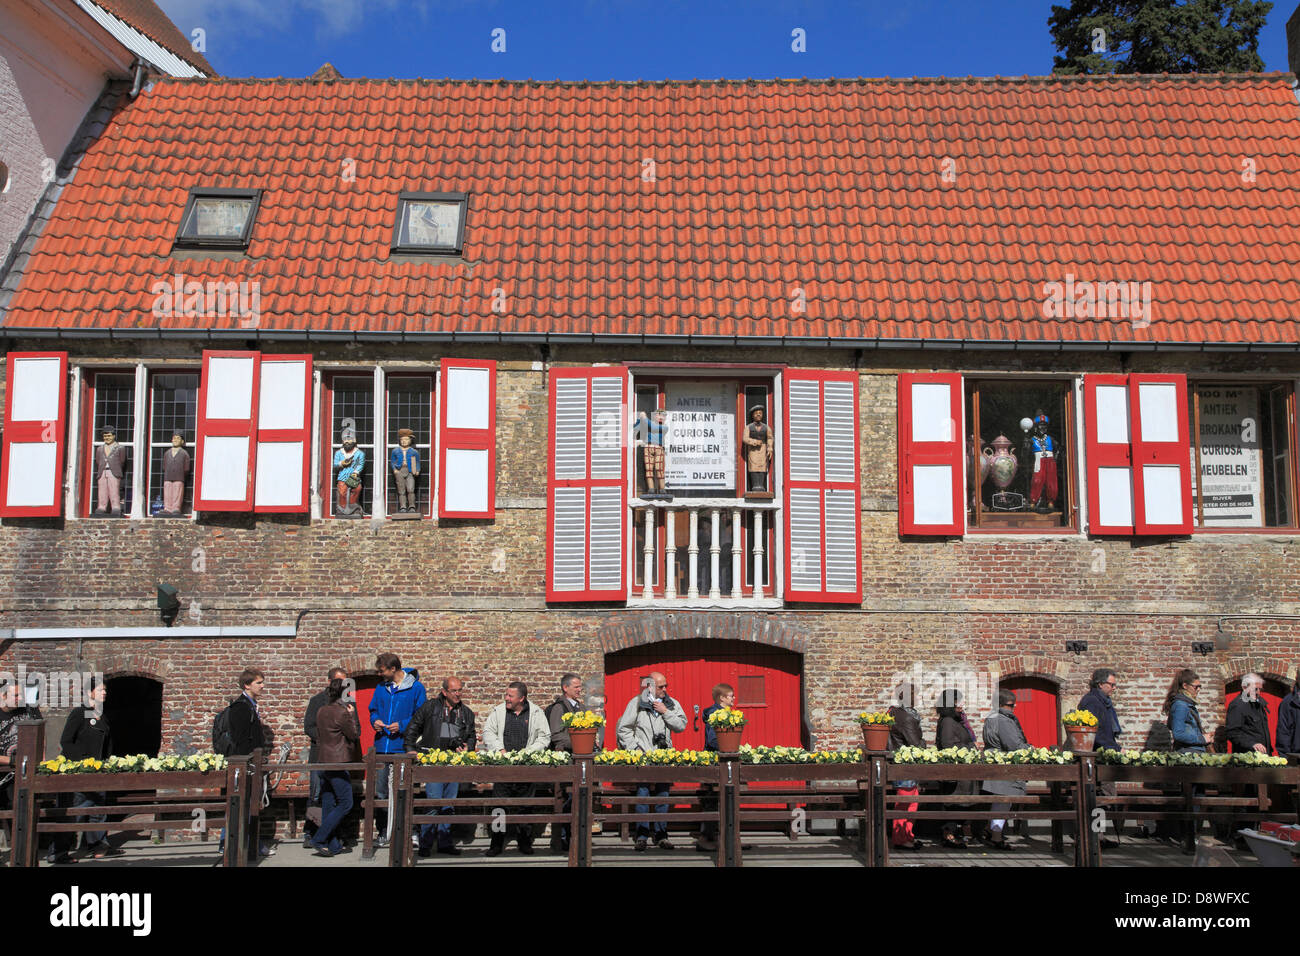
point(169, 607)
point(1204, 648)
point(1076, 647)
point(1222, 639)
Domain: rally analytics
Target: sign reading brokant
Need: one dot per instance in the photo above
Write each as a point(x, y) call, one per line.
point(701, 435)
point(1231, 489)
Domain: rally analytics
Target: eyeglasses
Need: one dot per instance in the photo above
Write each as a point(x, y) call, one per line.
point(1196, 686)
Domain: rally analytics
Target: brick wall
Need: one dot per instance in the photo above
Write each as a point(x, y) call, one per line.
point(466, 597)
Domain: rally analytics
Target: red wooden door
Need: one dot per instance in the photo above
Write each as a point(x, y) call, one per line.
point(1038, 708)
point(366, 690)
point(767, 682)
point(1272, 692)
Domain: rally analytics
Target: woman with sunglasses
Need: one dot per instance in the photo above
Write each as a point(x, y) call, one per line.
point(1184, 719)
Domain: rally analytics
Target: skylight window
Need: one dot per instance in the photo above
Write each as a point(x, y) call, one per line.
point(430, 222)
point(222, 218)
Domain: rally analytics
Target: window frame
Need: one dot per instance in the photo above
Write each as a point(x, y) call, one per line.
point(191, 444)
point(1260, 381)
point(202, 192)
point(404, 197)
point(428, 461)
point(89, 492)
point(1070, 488)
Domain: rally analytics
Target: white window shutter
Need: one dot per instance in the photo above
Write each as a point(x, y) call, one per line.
point(36, 400)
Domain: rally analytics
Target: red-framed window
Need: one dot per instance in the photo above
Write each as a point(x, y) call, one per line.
point(409, 401)
point(173, 407)
point(348, 396)
point(226, 447)
point(109, 402)
point(35, 431)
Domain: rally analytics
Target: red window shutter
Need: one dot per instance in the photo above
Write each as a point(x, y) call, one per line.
point(36, 405)
point(586, 488)
point(467, 447)
point(226, 451)
point(821, 487)
point(283, 455)
point(1107, 411)
point(1162, 454)
point(931, 454)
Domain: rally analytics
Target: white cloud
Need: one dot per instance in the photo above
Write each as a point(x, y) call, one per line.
point(323, 18)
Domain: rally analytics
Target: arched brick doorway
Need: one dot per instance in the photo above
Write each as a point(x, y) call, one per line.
point(133, 709)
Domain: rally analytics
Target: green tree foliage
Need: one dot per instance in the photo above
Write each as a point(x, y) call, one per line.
point(1158, 36)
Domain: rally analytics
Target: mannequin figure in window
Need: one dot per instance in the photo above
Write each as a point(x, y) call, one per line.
point(404, 461)
point(110, 463)
point(650, 435)
point(757, 440)
point(349, 462)
point(176, 465)
point(1043, 485)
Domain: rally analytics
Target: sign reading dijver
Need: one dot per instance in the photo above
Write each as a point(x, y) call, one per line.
point(1230, 466)
point(701, 443)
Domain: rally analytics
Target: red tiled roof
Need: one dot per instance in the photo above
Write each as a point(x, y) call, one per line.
point(146, 17)
point(760, 189)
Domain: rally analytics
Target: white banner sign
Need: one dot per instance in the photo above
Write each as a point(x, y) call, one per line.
point(701, 443)
point(1230, 472)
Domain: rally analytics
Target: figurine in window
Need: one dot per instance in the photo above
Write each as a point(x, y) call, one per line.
point(176, 465)
point(651, 436)
point(757, 440)
point(404, 461)
point(110, 460)
point(1043, 485)
point(349, 462)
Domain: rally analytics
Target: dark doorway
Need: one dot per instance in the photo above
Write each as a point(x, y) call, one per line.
point(133, 710)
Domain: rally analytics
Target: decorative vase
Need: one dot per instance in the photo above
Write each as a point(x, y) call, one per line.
point(583, 741)
point(729, 740)
point(1001, 462)
point(875, 736)
point(1080, 738)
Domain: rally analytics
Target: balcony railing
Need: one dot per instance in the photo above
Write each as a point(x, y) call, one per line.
point(705, 551)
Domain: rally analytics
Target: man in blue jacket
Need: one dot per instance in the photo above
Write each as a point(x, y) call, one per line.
point(398, 696)
point(1098, 703)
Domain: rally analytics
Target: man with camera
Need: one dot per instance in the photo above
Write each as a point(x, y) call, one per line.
point(647, 724)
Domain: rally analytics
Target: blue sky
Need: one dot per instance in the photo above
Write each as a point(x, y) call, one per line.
point(634, 39)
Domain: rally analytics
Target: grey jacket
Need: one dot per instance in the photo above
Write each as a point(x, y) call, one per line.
point(539, 731)
point(1002, 731)
point(637, 728)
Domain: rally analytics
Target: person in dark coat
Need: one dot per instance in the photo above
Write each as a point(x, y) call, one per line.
point(443, 722)
point(1100, 703)
point(246, 730)
point(339, 730)
point(905, 732)
point(1002, 731)
point(313, 754)
point(1248, 718)
point(86, 737)
point(953, 731)
point(1288, 720)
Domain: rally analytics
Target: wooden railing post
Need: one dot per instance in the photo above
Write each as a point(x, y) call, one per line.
point(368, 807)
point(1056, 802)
point(1087, 841)
point(580, 807)
point(30, 752)
point(729, 810)
point(235, 852)
point(399, 810)
point(256, 787)
point(877, 823)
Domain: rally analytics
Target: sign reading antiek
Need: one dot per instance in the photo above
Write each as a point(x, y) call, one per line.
point(701, 447)
point(1230, 457)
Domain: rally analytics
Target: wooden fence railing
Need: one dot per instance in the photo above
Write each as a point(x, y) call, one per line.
point(737, 797)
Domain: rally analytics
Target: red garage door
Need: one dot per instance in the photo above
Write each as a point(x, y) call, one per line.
point(1038, 708)
point(767, 682)
point(1272, 693)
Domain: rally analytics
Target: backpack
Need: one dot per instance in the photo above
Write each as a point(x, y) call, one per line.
point(222, 740)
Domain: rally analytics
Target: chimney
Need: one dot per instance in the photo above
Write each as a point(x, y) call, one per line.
point(1293, 42)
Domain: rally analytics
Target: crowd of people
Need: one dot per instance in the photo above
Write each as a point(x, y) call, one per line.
point(404, 719)
point(1246, 728)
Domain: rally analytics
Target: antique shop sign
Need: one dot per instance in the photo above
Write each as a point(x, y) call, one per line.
point(701, 443)
point(1230, 472)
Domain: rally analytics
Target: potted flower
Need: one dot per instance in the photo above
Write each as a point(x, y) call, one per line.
point(728, 726)
point(1080, 728)
point(875, 728)
point(582, 726)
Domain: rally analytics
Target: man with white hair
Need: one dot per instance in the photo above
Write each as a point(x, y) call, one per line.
point(1248, 718)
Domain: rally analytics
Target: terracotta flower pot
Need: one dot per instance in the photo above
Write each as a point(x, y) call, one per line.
point(583, 741)
point(1080, 739)
point(729, 740)
point(875, 736)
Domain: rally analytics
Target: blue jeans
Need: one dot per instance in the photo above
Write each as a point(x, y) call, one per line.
point(659, 828)
point(438, 791)
point(335, 802)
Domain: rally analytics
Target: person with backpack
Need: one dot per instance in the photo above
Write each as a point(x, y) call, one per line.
point(238, 730)
point(398, 696)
